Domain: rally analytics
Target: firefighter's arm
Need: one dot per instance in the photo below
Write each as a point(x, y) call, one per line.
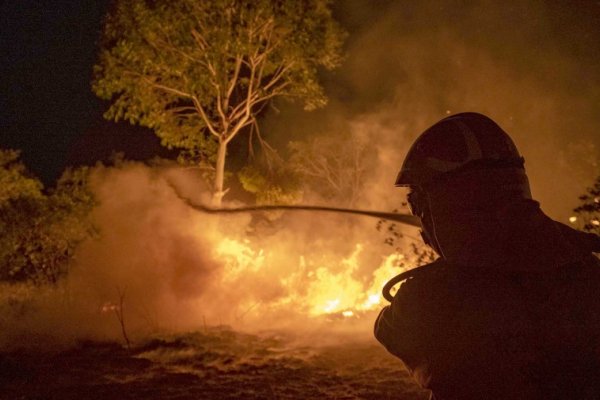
point(399, 328)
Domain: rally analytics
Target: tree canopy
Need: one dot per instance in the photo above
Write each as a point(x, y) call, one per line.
point(199, 72)
point(15, 180)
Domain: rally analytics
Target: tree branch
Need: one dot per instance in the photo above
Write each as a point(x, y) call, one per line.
point(246, 108)
point(169, 89)
point(278, 75)
point(207, 121)
point(233, 81)
point(224, 120)
point(168, 45)
point(274, 93)
point(199, 39)
point(180, 109)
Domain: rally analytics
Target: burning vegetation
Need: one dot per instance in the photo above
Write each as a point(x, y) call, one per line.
point(158, 264)
point(155, 269)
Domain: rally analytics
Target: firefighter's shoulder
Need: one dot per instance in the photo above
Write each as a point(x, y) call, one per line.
point(436, 271)
point(420, 280)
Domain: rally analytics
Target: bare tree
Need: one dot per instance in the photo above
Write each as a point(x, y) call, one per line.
point(334, 166)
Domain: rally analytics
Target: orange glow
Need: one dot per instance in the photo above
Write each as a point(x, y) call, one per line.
point(312, 288)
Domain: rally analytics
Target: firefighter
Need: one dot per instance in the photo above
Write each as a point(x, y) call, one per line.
point(511, 308)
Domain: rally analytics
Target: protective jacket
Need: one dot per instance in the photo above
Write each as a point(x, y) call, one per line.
point(520, 319)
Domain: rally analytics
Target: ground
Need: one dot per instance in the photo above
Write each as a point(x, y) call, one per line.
point(213, 364)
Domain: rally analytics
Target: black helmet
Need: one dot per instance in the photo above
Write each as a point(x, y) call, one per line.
point(460, 142)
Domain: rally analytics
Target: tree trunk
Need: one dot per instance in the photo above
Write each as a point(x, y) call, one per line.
point(218, 191)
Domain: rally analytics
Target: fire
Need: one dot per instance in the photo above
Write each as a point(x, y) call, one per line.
point(239, 258)
point(310, 284)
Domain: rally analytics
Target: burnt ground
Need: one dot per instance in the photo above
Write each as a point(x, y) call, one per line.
point(214, 364)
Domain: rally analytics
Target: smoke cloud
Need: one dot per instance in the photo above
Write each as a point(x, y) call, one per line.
point(165, 267)
point(532, 68)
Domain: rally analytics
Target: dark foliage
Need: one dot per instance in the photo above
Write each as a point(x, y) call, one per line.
point(40, 231)
point(589, 210)
point(415, 251)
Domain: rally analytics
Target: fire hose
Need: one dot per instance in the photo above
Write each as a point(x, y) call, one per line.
point(405, 219)
point(397, 217)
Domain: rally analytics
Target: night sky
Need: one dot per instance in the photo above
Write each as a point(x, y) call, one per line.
point(47, 108)
point(48, 48)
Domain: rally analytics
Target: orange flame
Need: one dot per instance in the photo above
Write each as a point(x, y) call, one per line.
point(314, 288)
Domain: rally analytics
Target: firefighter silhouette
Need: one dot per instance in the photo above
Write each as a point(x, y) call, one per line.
point(511, 308)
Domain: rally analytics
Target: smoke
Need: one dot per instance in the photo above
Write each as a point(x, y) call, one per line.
point(165, 267)
point(532, 68)
point(146, 254)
